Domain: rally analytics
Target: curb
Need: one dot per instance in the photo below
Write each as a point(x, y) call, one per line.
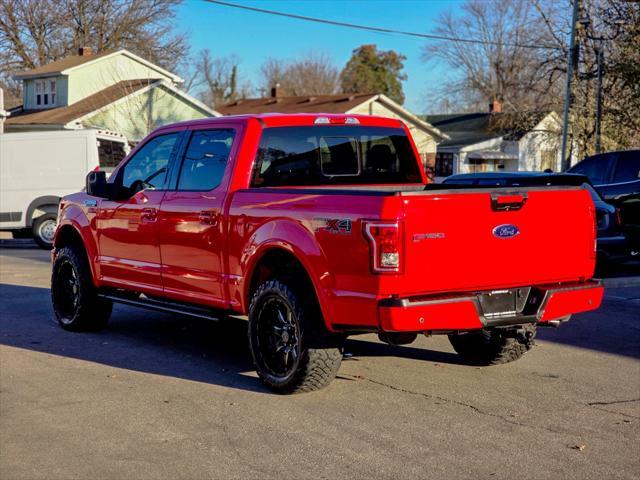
point(621, 282)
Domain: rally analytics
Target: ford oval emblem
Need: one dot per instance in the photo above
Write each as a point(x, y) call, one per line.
point(505, 231)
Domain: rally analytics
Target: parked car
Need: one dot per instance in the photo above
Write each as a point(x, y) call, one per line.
point(613, 247)
point(38, 168)
point(318, 227)
point(629, 208)
point(612, 173)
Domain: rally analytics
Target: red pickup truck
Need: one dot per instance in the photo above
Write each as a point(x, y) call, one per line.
point(318, 227)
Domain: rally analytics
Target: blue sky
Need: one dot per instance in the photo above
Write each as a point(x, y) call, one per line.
point(256, 36)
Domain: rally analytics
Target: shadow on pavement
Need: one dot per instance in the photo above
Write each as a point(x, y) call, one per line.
point(151, 342)
point(363, 348)
point(28, 252)
point(217, 353)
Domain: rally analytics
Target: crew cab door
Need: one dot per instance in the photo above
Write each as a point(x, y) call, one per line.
point(192, 226)
point(127, 228)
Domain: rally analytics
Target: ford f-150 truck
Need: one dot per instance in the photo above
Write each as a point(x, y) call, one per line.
point(317, 227)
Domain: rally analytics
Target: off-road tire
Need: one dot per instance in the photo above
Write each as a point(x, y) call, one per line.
point(319, 353)
point(87, 312)
point(41, 230)
point(491, 347)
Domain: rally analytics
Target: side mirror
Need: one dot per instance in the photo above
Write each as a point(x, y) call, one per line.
point(97, 184)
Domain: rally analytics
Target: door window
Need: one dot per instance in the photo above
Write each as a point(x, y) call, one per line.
point(205, 159)
point(628, 167)
point(147, 169)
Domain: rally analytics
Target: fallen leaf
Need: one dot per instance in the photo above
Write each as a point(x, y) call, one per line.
point(579, 447)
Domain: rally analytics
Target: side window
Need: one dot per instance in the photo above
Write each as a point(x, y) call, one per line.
point(148, 167)
point(628, 167)
point(595, 168)
point(444, 164)
point(205, 159)
point(286, 160)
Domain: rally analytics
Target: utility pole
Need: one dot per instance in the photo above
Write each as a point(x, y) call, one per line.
point(600, 55)
point(2, 112)
point(572, 60)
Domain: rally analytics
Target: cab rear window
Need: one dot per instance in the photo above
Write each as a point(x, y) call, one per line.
point(334, 155)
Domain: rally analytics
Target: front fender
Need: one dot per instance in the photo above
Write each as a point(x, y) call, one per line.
point(294, 238)
point(72, 216)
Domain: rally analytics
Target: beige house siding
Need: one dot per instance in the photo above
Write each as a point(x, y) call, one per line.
point(90, 78)
point(29, 92)
point(137, 115)
point(540, 148)
point(425, 143)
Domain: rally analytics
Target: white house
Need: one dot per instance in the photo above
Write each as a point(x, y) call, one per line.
point(498, 141)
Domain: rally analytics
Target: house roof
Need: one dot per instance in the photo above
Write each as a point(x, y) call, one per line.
point(471, 128)
point(341, 103)
point(64, 115)
point(61, 65)
point(338, 103)
point(67, 64)
point(91, 104)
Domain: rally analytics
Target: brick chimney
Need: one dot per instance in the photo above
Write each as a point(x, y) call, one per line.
point(276, 91)
point(85, 51)
point(495, 106)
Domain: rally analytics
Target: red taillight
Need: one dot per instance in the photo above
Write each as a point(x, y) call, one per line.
point(385, 241)
point(619, 216)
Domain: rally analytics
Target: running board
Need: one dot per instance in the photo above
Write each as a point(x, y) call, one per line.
point(143, 301)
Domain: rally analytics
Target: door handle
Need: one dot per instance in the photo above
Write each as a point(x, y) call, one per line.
point(149, 214)
point(507, 202)
point(207, 217)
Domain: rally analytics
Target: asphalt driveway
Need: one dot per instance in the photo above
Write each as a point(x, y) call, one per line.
point(156, 396)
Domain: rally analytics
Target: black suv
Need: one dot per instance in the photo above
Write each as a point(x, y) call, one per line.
point(612, 173)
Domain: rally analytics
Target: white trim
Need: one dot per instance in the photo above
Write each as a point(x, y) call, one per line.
point(539, 127)
point(190, 99)
point(382, 98)
point(158, 83)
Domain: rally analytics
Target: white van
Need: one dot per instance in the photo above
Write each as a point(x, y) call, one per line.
point(38, 168)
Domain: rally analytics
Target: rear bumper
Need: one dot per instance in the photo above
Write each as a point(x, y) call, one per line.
point(465, 312)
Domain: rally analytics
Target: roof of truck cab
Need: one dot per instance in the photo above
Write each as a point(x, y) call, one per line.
point(291, 119)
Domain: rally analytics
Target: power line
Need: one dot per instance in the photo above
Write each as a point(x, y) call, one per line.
point(378, 29)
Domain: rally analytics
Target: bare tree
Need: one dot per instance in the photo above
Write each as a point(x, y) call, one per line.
point(532, 79)
point(36, 32)
point(217, 79)
point(500, 68)
point(273, 73)
point(613, 28)
point(311, 74)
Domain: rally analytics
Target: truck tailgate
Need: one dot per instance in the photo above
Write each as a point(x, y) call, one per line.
point(480, 239)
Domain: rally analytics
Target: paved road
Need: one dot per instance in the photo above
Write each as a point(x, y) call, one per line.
point(161, 397)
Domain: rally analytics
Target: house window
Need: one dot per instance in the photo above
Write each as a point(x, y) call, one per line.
point(444, 164)
point(548, 159)
point(45, 92)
